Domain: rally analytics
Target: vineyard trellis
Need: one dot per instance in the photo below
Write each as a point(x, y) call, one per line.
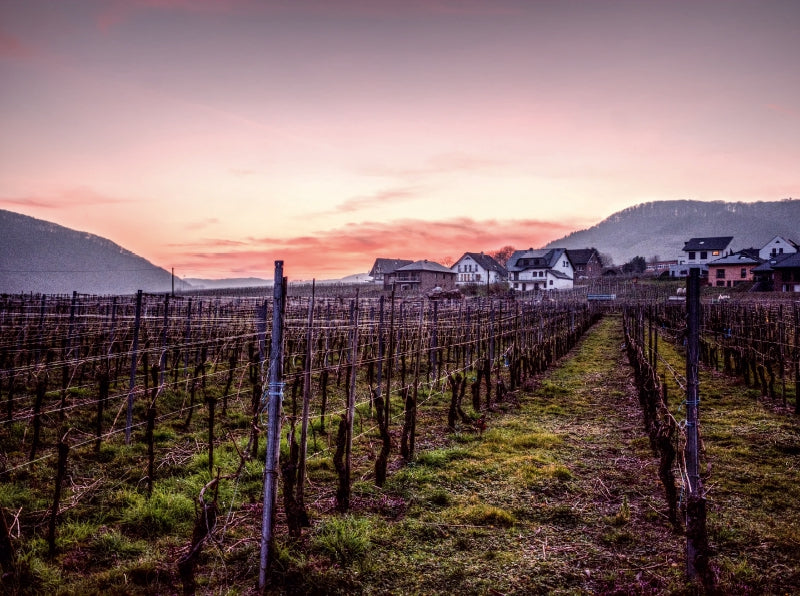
point(370, 362)
point(752, 339)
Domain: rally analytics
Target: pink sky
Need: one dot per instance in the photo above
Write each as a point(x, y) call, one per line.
point(216, 136)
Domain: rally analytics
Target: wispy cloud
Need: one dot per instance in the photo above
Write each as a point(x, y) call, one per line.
point(443, 163)
point(12, 48)
point(243, 172)
point(378, 199)
point(68, 199)
point(202, 224)
point(119, 11)
point(785, 110)
point(354, 247)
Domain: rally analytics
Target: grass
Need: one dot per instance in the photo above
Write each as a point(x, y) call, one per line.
point(558, 495)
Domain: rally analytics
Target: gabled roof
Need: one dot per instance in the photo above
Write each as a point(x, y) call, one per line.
point(712, 243)
point(786, 240)
point(388, 265)
point(581, 256)
point(792, 261)
point(558, 274)
point(485, 261)
point(543, 258)
point(774, 262)
point(738, 258)
point(426, 265)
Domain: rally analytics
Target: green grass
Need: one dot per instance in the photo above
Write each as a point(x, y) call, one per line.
point(558, 495)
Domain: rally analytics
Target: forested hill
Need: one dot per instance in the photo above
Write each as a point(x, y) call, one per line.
point(40, 256)
point(661, 228)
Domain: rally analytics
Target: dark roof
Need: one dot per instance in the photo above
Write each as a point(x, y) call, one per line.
point(743, 257)
point(543, 258)
point(581, 256)
point(713, 243)
point(792, 261)
point(426, 265)
point(485, 261)
point(774, 262)
point(388, 265)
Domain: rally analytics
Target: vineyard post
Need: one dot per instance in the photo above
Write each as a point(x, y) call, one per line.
point(134, 358)
point(111, 334)
point(274, 403)
point(63, 451)
point(379, 371)
point(163, 360)
point(187, 338)
point(696, 540)
point(301, 466)
point(781, 342)
point(67, 355)
point(796, 358)
point(351, 397)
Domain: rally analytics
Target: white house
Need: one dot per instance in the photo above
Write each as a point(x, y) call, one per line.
point(699, 251)
point(478, 268)
point(541, 269)
point(776, 247)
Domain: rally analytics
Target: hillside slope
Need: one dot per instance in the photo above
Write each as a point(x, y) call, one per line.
point(40, 256)
point(661, 228)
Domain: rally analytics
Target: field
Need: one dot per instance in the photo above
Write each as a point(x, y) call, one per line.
point(514, 453)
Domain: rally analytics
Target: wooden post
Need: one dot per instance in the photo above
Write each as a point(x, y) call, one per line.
point(696, 537)
point(63, 451)
point(163, 359)
point(301, 466)
point(344, 501)
point(134, 359)
point(274, 402)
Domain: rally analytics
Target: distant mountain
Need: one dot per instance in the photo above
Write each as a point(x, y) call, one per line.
point(42, 257)
point(661, 228)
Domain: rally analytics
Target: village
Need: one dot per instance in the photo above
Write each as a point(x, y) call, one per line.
point(775, 266)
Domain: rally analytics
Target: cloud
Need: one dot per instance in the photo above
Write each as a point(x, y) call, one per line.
point(353, 248)
point(396, 195)
point(11, 48)
point(119, 11)
point(68, 199)
point(243, 172)
point(785, 110)
point(443, 163)
point(199, 225)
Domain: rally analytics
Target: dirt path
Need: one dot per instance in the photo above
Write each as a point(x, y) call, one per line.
point(559, 495)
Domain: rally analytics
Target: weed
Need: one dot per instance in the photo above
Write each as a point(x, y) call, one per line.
point(346, 540)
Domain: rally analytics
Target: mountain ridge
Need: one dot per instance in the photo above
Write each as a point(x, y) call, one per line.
point(44, 257)
point(660, 228)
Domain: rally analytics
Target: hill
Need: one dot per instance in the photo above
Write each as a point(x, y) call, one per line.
point(43, 257)
point(661, 228)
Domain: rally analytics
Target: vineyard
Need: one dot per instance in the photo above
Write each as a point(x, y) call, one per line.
point(135, 429)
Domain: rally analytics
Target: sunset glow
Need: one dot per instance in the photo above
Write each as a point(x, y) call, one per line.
point(215, 136)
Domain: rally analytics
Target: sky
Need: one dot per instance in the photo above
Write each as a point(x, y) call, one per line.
point(217, 136)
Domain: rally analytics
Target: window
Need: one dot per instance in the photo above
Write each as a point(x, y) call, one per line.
point(703, 255)
point(743, 273)
point(720, 284)
point(691, 255)
point(714, 253)
point(551, 282)
point(720, 274)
